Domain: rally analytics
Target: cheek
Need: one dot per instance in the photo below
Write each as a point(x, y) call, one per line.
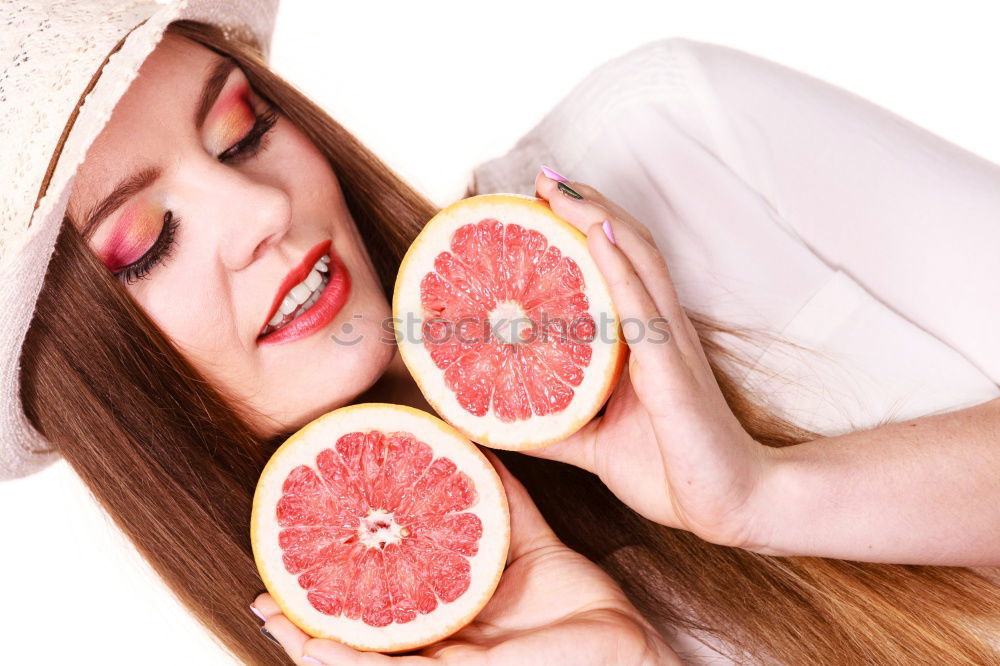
point(294, 167)
point(301, 164)
point(192, 307)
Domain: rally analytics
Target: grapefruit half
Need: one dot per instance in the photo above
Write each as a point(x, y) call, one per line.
point(381, 527)
point(506, 323)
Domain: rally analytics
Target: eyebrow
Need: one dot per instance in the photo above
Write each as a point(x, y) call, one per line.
point(214, 82)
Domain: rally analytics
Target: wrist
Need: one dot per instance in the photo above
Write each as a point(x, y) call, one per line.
point(772, 498)
point(751, 524)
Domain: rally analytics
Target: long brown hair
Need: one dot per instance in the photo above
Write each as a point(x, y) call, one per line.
point(174, 463)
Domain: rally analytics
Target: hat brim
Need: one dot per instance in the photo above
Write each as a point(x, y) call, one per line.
point(23, 450)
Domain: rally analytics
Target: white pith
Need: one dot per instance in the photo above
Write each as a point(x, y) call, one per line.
point(302, 449)
point(509, 321)
point(379, 529)
point(490, 429)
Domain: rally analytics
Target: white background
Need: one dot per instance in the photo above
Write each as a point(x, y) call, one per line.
point(434, 89)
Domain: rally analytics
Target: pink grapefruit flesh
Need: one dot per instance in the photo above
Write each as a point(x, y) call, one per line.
point(506, 323)
point(381, 527)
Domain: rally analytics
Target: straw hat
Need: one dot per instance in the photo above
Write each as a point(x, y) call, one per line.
point(66, 63)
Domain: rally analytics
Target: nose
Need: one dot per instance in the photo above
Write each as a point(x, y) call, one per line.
point(258, 217)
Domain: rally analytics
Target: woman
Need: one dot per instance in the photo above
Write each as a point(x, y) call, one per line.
point(143, 368)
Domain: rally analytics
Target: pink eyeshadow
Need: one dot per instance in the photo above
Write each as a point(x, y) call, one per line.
point(133, 234)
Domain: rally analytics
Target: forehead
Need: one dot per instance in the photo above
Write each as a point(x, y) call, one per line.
point(149, 121)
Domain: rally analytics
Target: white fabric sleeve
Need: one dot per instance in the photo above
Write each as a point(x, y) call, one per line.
point(911, 217)
point(651, 131)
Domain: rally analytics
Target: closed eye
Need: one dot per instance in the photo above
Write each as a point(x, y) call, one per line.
point(254, 141)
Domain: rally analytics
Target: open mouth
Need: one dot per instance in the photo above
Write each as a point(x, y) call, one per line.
point(309, 297)
point(300, 297)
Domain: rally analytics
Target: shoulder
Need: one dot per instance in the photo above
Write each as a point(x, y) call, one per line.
point(661, 76)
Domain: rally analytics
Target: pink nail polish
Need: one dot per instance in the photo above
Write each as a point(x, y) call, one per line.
point(257, 613)
point(310, 660)
point(553, 174)
point(606, 225)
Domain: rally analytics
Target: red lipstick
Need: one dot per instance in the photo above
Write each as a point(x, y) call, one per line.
point(322, 312)
point(296, 275)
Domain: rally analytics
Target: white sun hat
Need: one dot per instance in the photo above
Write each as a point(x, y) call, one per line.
point(66, 63)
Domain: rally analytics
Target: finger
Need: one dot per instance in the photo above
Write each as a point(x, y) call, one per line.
point(299, 644)
point(454, 651)
point(649, 356)
point(265, 605)
point(332, 653)
point(581, 213)
point(528, 529)
point(577, 449)
point(650, 266)
point(276, 625)
point(648, 263)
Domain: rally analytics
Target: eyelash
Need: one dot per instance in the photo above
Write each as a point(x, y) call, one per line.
point(250, 145)
point(254, 142)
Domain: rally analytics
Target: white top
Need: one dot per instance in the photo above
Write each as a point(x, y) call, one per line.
point(785, 204)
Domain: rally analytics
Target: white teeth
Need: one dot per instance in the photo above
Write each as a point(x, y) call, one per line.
point(312, 299)
point(300, 293)
point(312, 280)
point(304, 294)
point(288, 305)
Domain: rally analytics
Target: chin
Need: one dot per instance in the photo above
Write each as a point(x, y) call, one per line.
point(361, 381)
point(331, 370)
point(377, 350)
point(353, 370)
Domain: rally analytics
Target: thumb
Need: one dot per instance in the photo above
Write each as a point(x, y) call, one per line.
point(528, 529)
point(577, 449)
point(580, 448)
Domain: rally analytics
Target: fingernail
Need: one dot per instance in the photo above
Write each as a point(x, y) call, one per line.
point(310, 660)
point(269, 635)
point(258, 613)
point(569, 191)
point(553, 174)
point(606, 225)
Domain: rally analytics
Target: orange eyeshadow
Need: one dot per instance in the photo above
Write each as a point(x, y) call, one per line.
point(230, 119)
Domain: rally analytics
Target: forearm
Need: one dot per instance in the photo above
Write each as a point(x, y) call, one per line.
point(922, 491)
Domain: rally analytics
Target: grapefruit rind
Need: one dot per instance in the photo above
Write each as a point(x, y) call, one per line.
point(608, 356)
point(321, 433)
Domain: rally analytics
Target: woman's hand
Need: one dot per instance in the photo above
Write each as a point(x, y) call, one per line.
point(552, 606)
point(667, 444)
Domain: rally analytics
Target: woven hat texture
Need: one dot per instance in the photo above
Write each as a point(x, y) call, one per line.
point(65, 64)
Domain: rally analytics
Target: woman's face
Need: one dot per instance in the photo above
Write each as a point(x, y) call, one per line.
point(211, 237)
